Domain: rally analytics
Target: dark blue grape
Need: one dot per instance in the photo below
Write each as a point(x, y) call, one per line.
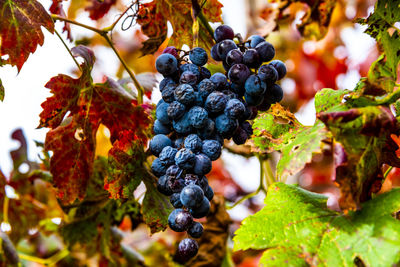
point(175, 200)
point(180, 220)
point(209, 193)
point(202, 165)
point(178, 142)
point(268, 74)
point(225, 126)
point(160, 102)
point(166, 64)
point(165, 81)
point(176, 110)
point(274, 93)
point(253, 101)
point(176, 184)
point(198, 117)
point(199, 99)
point(247, 127)
point(185, 159)
point(239, 73)
point(212, 149)
point(161, 113)
point(160, 128)
point(215, 102)
point(224, 47)
point(192, 68)
point(192, 179)
point(254, 40)
point(196, 230)
point(174, 170)
point(182, 125)
point(280, 67)
point(167, 155)
point(187, 249)
point(234, 56)
point(198, 56)
point(162, 185)
point(158, 167)
point(251, 58)
point(220, 81)
point(254, 86)
point(158, 142)
point(192, 196)
point(237, 89)
point(229, 94)
point(223, 32)
point(202, 210)
point(266, 51)
point(193, 142)
point(206, 87)
point(207, 131)
point(204, 73)
point(234, 109)
point(189, 78)
point(266, 104)
point(214, 53)
point(218, 138)
point(184, 93)
point(168, 93)
point(240, 136)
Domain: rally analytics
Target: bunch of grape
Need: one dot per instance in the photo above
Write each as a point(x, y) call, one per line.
point(198, 111)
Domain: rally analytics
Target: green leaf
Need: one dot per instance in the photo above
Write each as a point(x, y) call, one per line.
point(155, 208)
point(279, 130)
point(297, 229)
point(329, 100)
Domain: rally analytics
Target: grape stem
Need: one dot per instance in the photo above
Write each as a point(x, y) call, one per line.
point(69, 50)
point(266, 176)
point(104, 33)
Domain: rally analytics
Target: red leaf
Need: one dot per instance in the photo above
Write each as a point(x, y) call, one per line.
point(57, 8)
point(153, 18)
point(20, 31)
point(98, 9)
point(71, 165)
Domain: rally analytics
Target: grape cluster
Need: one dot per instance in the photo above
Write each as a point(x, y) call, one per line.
point(198, 111)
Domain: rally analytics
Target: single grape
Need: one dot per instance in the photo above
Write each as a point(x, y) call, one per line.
point(251, 58)
point(174, 170)
point(224, 47)
point(235, 56)
point(175, 200)
point(166, 64)
point(254, 40)
point(207, 131)
point(254, 86)
point(223, 32)
point(193, 142)
point(204, 73)
point(192, 196)
point(185, 159)
point(162, 114)
point(280, 67)
point(192, 68)
point(167, 155)
point(184, 93)
point(176, 110)
point(158, 142)
point(198, 56)
point(165, 81)
point(247, 127)
point(162, 185)
point(225, 126)
point(206, 87)
point(202, 165)
point(214, 52)
point(253, 101)
point(187, 249)
point(202, 210)
point(275, 94)
point(220, 81)
point(198, 117)
point(160, 128)
point(234, 108)
point(176, 184)
point(158, 167)
point(189, 78)
point(180, 220)
point(167, 93)
point(266, 51)
point(209, 193)
point(171, 50)
point(212, 149)
point(268, 74)
point(196, 230)
point(182, 125)
point(239, 73)
point(240, 136)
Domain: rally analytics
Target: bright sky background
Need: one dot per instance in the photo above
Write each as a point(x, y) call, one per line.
point(25, 91)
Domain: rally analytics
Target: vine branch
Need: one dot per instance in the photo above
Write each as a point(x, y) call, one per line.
point(104, 33)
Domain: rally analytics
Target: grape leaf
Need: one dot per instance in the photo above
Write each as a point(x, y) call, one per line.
point(57, 8)
point(156, 207)
point(279, 130)
point(381, 27)
point(20, 31)
point(296, 228)
point(97, 9)
point(153, 18)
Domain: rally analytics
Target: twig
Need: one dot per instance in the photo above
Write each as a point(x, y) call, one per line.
point(69, 50)
point(110, 28)
point(104, 33)
point(49, 261)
